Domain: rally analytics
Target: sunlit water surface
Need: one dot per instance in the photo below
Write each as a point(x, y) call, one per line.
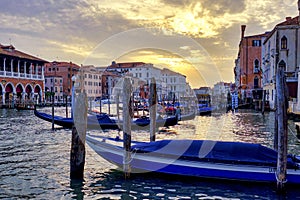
point(34, 161)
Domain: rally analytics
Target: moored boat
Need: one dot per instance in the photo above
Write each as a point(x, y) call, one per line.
point(104, 121)
point(200, 158)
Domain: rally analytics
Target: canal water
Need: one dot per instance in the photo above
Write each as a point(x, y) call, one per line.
point(34, 161)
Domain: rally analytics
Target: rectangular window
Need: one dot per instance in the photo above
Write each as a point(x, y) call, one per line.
point(256, 43)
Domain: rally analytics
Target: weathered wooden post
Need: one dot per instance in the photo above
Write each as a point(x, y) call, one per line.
point(53, 110)
point(282, 129)
point(77, 158)
point(275, 144)
point(152, 108)
point(263, 102)
point(108, 106)
point(66, 106)
point(127, 89)
point(100, 105)
point(117, 104)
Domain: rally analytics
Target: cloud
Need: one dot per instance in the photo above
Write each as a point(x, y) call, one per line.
point(73, 29)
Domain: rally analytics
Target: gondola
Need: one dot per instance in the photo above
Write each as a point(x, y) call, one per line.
point(104, 121)
point(221, 160)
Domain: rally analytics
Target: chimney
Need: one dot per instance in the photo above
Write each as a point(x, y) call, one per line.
point(243, 27)
point(288, 19)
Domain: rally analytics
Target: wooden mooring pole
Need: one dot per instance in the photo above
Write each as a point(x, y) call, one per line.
point(117, 105)
point(66, 106)
point(127, 89)
point(263, 102)
point(53, 111)
point(281, 113)
point(77, 157)
point(152, 109)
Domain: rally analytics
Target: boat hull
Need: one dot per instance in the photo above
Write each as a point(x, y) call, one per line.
point(147, 162)
point(104, 122)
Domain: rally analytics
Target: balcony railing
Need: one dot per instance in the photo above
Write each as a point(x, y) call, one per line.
point(291, 76)
point(10, 74)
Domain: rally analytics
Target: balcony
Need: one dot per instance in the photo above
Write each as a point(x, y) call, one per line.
point(291, 76)
point(256, 70)
point(9, 74)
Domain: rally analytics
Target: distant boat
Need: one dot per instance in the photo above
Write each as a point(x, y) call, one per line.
point(24, 107)
point(204, 109)
point(104, 121)
point(199, 158)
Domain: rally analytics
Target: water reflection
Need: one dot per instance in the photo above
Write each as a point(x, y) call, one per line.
point(34, 161)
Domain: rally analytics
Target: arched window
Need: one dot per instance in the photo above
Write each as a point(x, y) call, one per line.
point(283, 42)
point(282, 64)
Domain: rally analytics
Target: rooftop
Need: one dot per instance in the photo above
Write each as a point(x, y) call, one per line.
point(10, 50)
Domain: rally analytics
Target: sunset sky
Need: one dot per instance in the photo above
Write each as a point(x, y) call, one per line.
point(197, 38)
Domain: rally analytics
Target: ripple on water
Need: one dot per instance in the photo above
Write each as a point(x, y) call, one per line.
point(34, 161)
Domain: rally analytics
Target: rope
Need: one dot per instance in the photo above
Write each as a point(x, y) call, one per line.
point(277, 179)
point(293, 133)
point(125, 162)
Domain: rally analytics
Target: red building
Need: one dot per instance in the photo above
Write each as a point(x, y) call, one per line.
point(249, 61)
point(21, 77)
point(64, 70)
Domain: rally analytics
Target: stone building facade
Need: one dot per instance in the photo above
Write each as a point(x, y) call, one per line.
point(21, 77)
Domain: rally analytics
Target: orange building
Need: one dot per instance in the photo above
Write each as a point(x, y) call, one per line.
point(21, 77)
point(249, 61)
point(57, 70)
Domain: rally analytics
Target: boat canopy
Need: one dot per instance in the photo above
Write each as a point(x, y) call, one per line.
point(214, 151)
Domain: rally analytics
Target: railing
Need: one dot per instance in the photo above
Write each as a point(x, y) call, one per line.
point(256, 70)
point(291, 76)
point(22, 75)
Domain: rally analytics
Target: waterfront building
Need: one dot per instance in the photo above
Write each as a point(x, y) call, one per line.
point(21, 77)
point(65, 70)
point(282, 49)
point(142, 71)
point(54, 87)
point(175, 84)
point(169, 84)
point(248, 74)
point(109, 81)
point(220, 95)
point(92, 81)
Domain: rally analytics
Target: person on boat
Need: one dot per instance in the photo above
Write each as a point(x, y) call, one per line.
point(178, 113)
